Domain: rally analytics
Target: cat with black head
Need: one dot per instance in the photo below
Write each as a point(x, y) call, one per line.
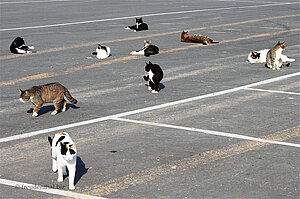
point(18, 46)
point(147, 50)
point(154, 75)
point(64, 156)
point(139, 25)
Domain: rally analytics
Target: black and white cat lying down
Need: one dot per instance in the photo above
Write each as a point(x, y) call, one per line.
point(154, 75)
point(18, 46)
point(147, 50)
point(139, 25)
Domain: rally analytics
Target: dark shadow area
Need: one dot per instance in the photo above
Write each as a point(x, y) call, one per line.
point(50, 108)
point(161, 86)
point(80, 170)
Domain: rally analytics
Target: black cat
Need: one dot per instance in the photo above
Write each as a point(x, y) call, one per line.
point(139, 25)
point(154, 75)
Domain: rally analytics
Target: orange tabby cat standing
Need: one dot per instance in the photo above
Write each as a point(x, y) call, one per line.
point(48, 93)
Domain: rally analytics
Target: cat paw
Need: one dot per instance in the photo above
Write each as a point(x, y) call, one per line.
point(34, 114)
point(72, 187)
point(64, 109)
point(154, 91)
point(60, 179)
point(54, 170)
point(54, 113)
point(149, 88)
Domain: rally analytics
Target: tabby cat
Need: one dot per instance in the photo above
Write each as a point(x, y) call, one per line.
point(147, 50)
point(196, 38)
point(64, 155)
point(274, 57)
point(261, 57)
point(48, 93)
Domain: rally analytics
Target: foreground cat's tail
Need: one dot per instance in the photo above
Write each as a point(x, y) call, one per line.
point(69, 97)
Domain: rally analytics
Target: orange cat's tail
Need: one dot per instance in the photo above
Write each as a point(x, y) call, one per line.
point(69, 97)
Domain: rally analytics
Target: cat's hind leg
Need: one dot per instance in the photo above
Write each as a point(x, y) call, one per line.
point(64, 106)
point(57, 106)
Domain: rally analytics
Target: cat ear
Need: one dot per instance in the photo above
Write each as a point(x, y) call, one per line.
point(21, 91)
point(150, 62)
point(50, 140)
point(150, 42)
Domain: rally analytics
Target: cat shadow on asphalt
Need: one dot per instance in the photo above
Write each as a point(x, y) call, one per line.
point(50, 108)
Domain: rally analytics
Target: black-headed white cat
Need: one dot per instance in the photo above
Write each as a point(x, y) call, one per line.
point(102, 52)
point(139, 25)
point(147, 50)
point(18, 46)
point(64, 155)
point(154, 75)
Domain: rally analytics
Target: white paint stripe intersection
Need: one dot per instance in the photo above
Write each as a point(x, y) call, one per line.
point(142, 110)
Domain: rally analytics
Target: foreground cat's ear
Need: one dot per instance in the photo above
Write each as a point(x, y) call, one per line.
point(21, 91)
point(150, 62)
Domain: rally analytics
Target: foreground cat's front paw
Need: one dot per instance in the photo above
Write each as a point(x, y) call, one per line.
point(54, 113)
point(149, 88)
point(34, 114)
point(60, 179)
point(154, 91)
point(71, 187)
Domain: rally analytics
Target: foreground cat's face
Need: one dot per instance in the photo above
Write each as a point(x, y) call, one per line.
point(147, 67)
point(68, 151)
point(24, 96)
point(147, 42)
point(281, 45)
point(139, 20)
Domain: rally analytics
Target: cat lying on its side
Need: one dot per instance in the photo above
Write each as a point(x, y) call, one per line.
point(147, 50)
point(196, 38)
point(18, 46)
point(64, 155)
point(102, 52)
point(139, 25)
point(48, 93)
point(261, 56)
point(154, 75)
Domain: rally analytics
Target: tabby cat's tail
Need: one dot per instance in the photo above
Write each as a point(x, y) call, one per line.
point(69, 97)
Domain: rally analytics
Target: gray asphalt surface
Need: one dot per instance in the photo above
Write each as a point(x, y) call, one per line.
point(121, 158)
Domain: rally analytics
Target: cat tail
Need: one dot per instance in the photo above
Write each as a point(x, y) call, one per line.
point(69, 97)
point(214, 42)
point(94, 53)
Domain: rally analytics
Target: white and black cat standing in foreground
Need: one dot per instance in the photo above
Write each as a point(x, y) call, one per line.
point(147, 50)
point(154, 75)
point(64, 155)
point(139, 25)
point(102, 52)
point(18, 46)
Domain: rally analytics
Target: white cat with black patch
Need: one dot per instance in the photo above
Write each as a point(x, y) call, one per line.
point(102, 52)
point(260, 56)
point(154, 75)
point(64, 155)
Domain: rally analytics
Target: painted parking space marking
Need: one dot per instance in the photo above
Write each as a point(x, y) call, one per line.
point(271, 91)
point(146, 15)
point(33, 187)
point(142, 110)
point(216, 133)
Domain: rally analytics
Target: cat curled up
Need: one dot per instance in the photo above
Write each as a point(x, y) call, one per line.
point(18, 46)
point(147, 50)
point(139, 25)
point(48, 93)
point(64, 156)
point(102, 52)
point(196, 38)
point(274, 57)
point(154, 75)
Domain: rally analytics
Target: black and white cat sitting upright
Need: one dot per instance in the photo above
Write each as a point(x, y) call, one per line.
point(154, 75)
point(18, 46)
point(147, 50)
point(139, 25)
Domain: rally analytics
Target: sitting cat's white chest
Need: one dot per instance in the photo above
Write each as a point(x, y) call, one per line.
point(151, 74)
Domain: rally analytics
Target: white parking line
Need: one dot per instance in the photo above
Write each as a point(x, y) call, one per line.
point(147, 15)
point(25, 2)
point(217, 133)
point(271, 91)
point(142, 110)
point(27, 186)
